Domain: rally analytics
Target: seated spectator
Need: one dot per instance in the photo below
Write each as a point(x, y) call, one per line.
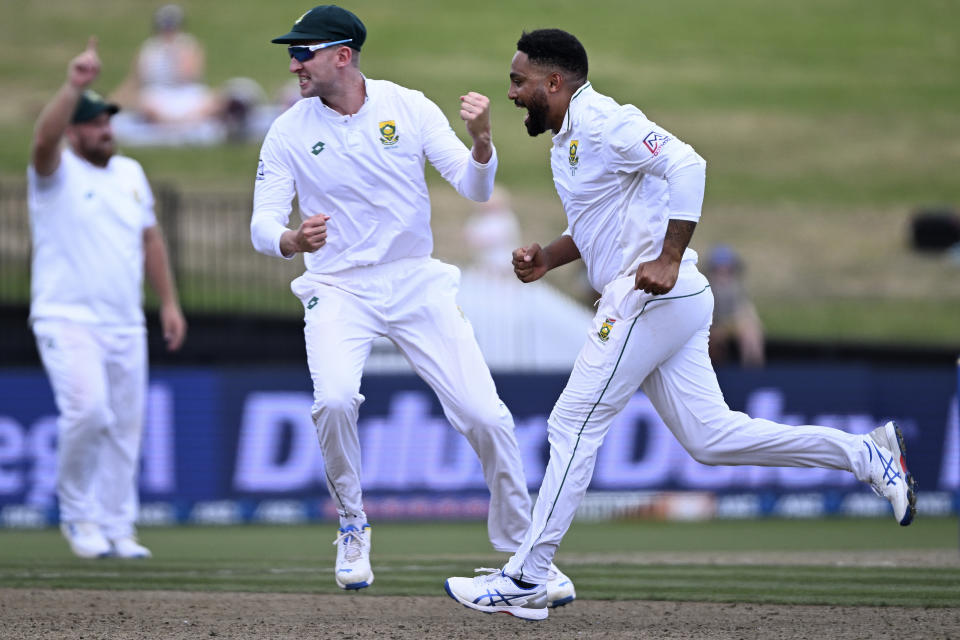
point(167, 102)
point(165, 84)
point(736, 329)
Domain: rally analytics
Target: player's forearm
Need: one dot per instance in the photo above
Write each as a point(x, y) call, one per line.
point(676, 239)
point(269, 233)
point(482, 149)
point(477, 179)
point(157, 267)
point(50, 127)
point(288, 243)
point(560, 252)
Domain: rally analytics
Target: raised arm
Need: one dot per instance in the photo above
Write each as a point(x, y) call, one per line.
point(56, 115)
point(470, 171)
point(475, 112)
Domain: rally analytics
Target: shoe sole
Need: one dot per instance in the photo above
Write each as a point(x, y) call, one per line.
point(353, 586)
point(517, 612)
point(91, 555)
point(561, 602)
point(911, 483)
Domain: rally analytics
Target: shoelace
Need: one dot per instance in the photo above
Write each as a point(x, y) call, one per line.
point(491, 574)
point(356, 542)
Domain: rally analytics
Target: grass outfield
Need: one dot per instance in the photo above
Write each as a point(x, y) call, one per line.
point(825, 123)
point(412, 559)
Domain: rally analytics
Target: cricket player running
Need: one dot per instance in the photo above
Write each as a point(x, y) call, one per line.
point(632, 193)
point(353, 153)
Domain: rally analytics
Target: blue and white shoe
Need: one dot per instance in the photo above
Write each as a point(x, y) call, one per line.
point(499, 593)
point(560, 590)
point(86, 540)
point(353, 557)
point(128, 547)
point(889, 477)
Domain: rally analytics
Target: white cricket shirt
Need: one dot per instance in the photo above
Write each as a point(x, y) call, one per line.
point(365, 171)
point(87, 224)
point(621, 178)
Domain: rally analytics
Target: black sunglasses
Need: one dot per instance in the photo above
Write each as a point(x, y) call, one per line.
point(304, 52)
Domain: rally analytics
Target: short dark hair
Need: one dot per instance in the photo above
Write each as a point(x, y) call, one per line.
point(555, 48)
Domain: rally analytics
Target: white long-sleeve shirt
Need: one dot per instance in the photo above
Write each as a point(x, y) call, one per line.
point(621, 178)
point(365, 171)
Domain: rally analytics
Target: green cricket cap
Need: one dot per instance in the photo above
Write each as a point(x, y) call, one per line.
point(326, 22)
point(91, 105)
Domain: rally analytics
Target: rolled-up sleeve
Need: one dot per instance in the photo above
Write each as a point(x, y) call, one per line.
point(273, 193)
point(635, 144)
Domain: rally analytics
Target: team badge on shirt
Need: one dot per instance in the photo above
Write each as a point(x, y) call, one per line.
point(605, 329)
point(655, 142)
point(574, 157)
point(388, 133)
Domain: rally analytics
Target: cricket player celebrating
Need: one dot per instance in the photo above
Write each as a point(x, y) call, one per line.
point(94, 236)
point(632, 193)
point(353, 153)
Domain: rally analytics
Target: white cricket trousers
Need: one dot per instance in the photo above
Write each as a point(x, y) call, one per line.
point(99, 378)
point(658, 344)
point(413, 303)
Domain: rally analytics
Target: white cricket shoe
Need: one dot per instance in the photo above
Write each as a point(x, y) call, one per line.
point(128, 547)
point(353, 557)
point(560, 589)
point(889, 477)
point(86, 540)
point(499, 593)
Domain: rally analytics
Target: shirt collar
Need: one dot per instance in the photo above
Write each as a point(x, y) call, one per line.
point(568, 118)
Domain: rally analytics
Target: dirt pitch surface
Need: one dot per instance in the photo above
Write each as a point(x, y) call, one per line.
point(48, 614)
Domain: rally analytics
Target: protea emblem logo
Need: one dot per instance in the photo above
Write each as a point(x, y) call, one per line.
point(605, 329)
point(388, 133)
point(574, 157)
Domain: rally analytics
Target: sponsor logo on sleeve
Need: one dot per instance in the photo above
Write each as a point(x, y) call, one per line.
point(259, 168)
point(655, 142)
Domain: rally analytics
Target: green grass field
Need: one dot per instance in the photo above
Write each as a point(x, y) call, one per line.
point(609, 561)
point(825, 124)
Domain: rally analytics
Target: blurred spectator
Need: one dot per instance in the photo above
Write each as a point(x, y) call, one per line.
point(500, 307)
point(736, 328)
point(492, 233)
point(165, 84)
point(167, 101)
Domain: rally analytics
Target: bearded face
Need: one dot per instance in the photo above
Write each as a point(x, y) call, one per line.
point(537, 109)
point(93, 140)
point(528, 90)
